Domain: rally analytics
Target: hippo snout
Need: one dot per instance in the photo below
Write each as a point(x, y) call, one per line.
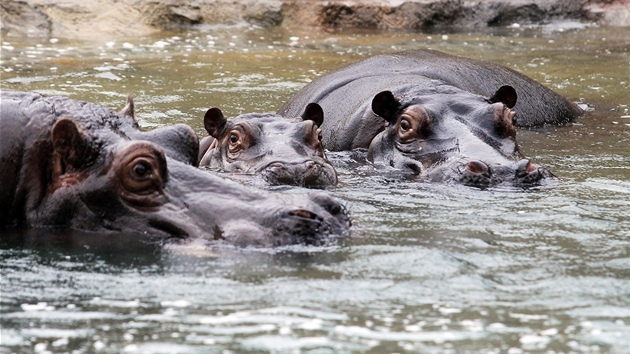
point(306, 228)
point(331, 205)
point(313, 226)
point(312, 219)
point(309, 174)
point(521, 173)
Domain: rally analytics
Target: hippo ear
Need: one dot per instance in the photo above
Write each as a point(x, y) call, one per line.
point(506, 95)
point(129, 109)
point(385, 105)
point(315, 113)
point(214, 121)
point(70, 145)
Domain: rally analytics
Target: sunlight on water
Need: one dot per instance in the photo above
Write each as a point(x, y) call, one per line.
point(429, 267)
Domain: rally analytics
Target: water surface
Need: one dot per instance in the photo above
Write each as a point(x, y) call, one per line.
point(429, 267)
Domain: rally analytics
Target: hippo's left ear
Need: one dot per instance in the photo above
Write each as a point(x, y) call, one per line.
point(314, 112)
point(214, 122)
point(506, 95)
point(385, 105)
point(70, 146)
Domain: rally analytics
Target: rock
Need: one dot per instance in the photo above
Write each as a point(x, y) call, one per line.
point(424, 14)
point(97, 19)
point(22, 17)
point(610, 12)
point(74, 18)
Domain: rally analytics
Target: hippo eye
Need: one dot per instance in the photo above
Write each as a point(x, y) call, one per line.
point(142, 173)
point(319, 136)
point(141, 169)
point(238, 140)
point(405, 125)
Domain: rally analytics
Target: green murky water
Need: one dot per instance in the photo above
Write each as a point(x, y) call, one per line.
point(430, 267)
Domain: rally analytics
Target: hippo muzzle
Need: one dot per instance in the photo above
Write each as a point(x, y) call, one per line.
point(476, 173)
point(308, 173)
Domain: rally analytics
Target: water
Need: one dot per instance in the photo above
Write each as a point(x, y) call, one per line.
point(429, 267)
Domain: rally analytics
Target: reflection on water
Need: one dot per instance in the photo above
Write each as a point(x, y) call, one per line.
point(430, 267)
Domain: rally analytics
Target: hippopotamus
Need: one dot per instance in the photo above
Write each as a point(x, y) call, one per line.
point(70, 164)
point(284, 151)
point(438, 116)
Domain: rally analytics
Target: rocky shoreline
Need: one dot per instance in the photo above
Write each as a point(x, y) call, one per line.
point(121, 18)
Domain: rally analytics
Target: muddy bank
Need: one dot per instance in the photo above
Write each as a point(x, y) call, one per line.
point(123, 18)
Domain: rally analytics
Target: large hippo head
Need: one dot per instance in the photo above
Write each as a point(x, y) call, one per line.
point(71, 164)
point(444, 133)
point(283, 150)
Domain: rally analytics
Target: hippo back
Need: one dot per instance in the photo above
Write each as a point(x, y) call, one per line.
point(349, 121)
point(536, 106)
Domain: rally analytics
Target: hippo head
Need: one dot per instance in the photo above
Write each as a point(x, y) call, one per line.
point(443, 133)
point(144, 183)
point(284, 151)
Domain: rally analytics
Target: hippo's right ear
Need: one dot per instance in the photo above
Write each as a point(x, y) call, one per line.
point(129, 109)
point(314, 112)
point(70, 145)
point(506, 95)
point(214, 122)
point(385, 105)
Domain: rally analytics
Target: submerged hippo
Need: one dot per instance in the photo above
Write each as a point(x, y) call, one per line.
point(284, 151)
point(78, 165)
point(439, 116)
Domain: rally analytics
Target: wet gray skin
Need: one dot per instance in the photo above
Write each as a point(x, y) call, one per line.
point(74, 165)
point(423, 111)
point(284, 151)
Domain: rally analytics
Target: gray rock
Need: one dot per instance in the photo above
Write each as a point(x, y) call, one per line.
point(24, 18)
point(96, 18)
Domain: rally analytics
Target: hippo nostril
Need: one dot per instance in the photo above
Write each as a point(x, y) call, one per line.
point(414, 167)
point(477, 173)
point(528, 173)
point(334, 209)
point(524, 167)
point(302, 213)
point(326, 202)
point(277, 165)
point(310, 165)
point(477, 167)
point(530, 167)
